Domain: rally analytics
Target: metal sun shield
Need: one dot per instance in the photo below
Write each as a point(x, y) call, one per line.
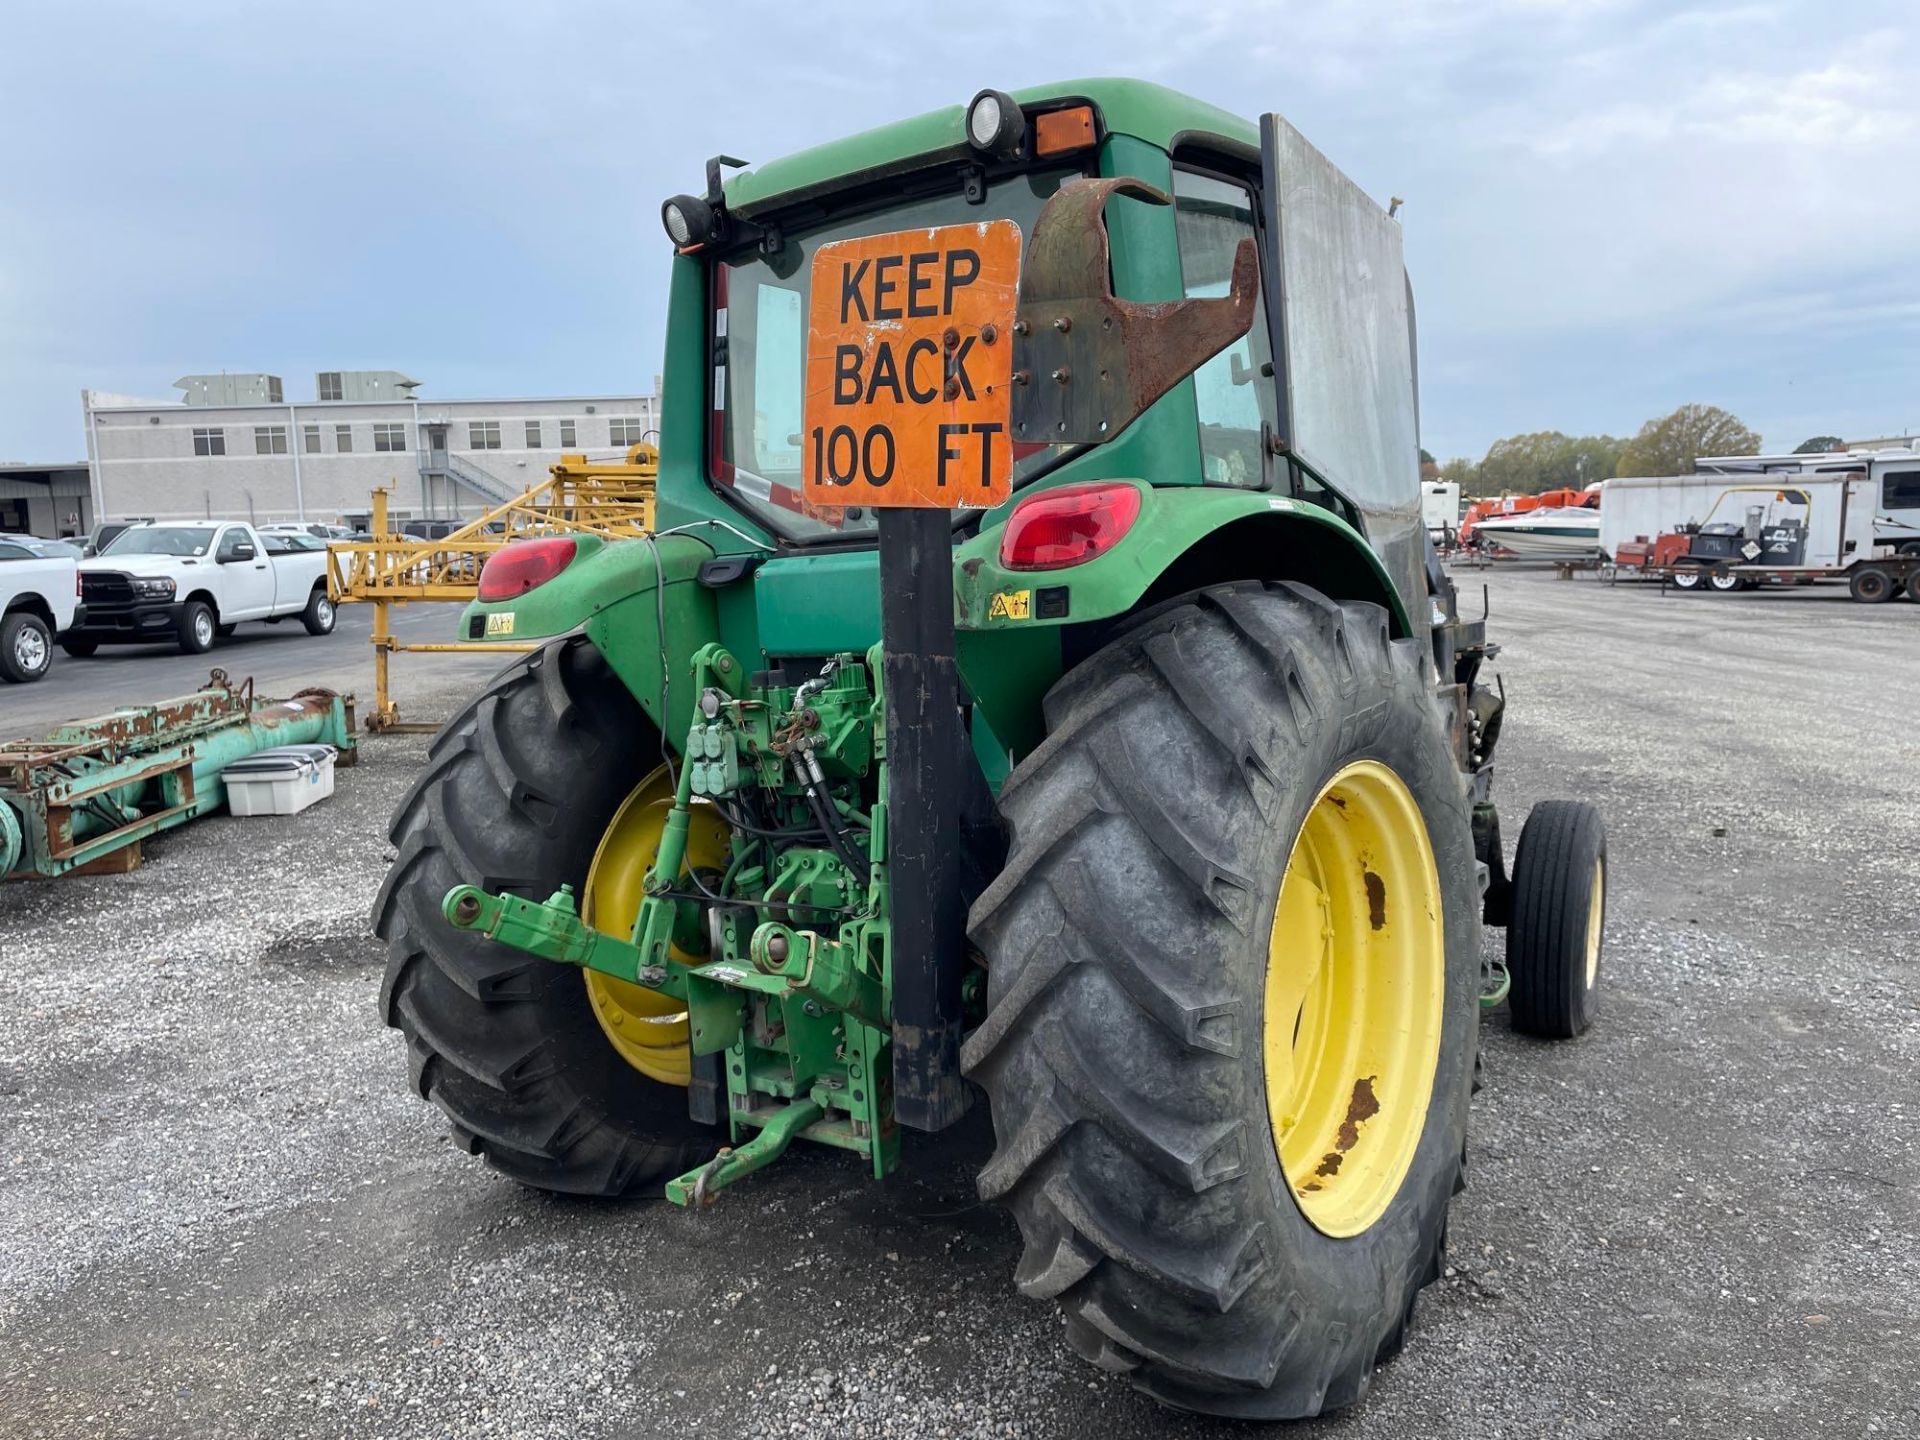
point(1085, 363)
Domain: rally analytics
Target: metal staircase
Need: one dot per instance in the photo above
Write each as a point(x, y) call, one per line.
point(438, 464)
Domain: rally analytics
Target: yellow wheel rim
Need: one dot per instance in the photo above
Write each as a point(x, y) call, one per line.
point(1354, 996)
point(1596, 908)
point(648, 1029)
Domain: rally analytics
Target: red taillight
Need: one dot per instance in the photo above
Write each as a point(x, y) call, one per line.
point(1068, 526)
point(523, 565)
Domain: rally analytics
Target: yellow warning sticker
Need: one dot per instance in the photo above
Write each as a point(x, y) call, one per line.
point(1011, 605)
point(500, 623)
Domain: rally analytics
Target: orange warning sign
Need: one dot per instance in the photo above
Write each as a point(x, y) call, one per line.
point(910, 368)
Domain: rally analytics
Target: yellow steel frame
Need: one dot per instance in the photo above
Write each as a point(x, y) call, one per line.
point(612, 498)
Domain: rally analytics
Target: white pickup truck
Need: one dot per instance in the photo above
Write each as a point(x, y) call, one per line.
point(39, 596)
point(192, 582)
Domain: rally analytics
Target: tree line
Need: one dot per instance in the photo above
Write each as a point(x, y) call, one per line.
point(1666, 445)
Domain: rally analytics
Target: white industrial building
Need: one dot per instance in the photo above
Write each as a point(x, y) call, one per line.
point(234, 448)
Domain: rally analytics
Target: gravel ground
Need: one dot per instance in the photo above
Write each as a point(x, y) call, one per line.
point(225, 1215)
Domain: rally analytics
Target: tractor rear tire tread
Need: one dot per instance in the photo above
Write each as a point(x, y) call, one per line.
point(516, 792)
point(1120, 1037)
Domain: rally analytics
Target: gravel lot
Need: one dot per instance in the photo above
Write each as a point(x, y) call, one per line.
point(225, 1215)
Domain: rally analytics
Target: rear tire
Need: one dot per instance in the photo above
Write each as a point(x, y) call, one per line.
point(197, 628)
point(518, 789)
point(1125, 1045)
point(1913, 586)
point(1559, 915)
point(319, 616)
point(1870, 585)
point(1724, 583)
point(26, 647)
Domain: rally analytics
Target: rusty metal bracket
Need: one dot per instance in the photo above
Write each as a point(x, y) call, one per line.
point(1086, 364)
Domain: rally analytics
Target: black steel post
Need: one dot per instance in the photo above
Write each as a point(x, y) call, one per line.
point(925, 753)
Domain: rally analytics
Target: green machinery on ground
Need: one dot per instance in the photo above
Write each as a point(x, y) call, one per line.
point(1176, 846)
point(87, 794)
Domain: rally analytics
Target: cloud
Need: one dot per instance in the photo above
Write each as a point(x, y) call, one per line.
point(1609, 201)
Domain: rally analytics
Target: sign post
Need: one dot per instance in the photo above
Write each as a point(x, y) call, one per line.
point(909, 379)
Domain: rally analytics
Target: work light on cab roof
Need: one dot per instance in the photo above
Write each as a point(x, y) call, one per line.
point(995, 125)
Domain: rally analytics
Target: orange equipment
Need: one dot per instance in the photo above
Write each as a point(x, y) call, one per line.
point(1520, 504)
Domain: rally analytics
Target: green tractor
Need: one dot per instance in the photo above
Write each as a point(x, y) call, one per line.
point(1141, 787)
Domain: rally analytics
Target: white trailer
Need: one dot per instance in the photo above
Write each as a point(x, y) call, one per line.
point(1440, 509)
point(1891, 491)
point(1756, 526)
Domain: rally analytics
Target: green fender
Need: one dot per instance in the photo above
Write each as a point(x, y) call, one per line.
point(617, 592)
point(1012, 622)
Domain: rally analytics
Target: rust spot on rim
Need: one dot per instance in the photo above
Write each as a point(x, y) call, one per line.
point(1362, 1107)
point(1376, 899)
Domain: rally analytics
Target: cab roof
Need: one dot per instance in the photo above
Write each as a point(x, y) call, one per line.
point(1148, 112)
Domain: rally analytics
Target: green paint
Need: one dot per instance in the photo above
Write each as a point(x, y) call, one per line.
point(817, 604)
point(697, 1187)
point(1008, 663)
point(1130, 108)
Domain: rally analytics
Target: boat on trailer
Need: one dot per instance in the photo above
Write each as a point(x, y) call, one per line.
point(1561, 533)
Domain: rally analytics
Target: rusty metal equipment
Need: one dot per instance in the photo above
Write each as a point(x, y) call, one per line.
point(85, 797)
point(1086, 363)
point(613, 498)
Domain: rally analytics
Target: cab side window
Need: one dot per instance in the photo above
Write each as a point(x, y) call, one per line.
point(231, 544)
point(1233, 398)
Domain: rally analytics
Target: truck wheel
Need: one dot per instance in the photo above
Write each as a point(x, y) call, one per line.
point(1726, 584)
point(1686, 579)
point(1559, 912)
point(318, 617)
point(26, 647)
point(1870, 585)
point(80, 649)
point(1913, 586)
point(1233, 1000)
point(538, 783)
point(197, 628)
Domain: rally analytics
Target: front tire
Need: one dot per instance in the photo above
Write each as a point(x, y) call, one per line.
point(1142, 931)
point(518, 790)
point(197, 628)
point(1559, 913)
point(26, 647)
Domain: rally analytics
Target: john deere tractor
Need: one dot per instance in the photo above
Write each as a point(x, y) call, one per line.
point(1038, 692)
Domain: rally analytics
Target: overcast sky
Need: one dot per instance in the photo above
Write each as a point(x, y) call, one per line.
point(1612, 207)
